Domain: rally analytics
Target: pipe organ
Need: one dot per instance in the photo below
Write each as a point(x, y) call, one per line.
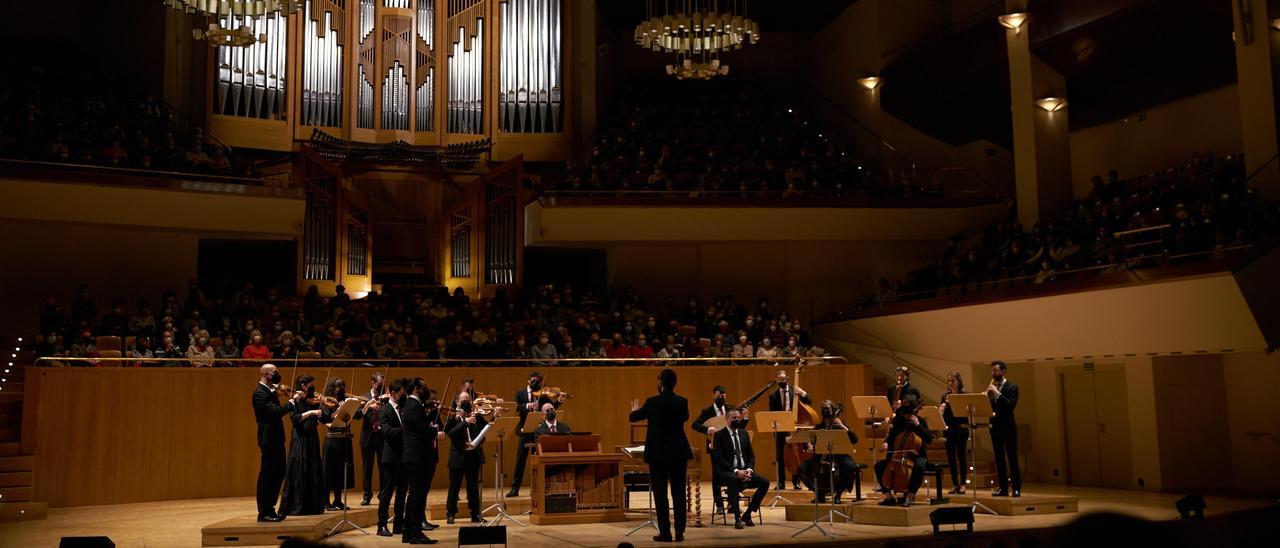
point(428, 72)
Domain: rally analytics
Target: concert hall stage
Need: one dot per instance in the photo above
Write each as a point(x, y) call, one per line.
point(180, 523)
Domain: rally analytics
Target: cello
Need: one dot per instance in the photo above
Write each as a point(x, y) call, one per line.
point(900, 462)
point(797, 453)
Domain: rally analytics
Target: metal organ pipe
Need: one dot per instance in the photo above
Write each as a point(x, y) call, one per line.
point(531, 66)
point(250, 79)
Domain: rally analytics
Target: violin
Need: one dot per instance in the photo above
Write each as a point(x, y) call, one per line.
point(282, 390)
point(551, 392)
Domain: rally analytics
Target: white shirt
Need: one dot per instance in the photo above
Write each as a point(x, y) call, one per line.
point(737, 450)
point(552, 426)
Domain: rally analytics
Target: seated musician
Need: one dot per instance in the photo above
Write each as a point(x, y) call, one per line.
point(905, 423)
point(550, 425)
point(735, 463)
point(845, 469)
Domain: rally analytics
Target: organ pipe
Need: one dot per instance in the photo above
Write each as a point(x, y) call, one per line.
point(322, 88)
point(529, 94)
point(251, 79)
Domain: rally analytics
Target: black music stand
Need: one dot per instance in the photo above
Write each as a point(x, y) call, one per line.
point(974, 405)
point(776, 422)
point(500, 429)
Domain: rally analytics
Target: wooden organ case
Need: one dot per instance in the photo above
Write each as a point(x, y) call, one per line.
point(575, 482)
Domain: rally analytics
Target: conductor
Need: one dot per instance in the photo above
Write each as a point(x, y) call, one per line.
point(666, 450)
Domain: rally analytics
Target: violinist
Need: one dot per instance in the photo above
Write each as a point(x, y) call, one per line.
point(394, 481)
point(468, 386)
point(304, 493)
point(268, 410)
point(845, 468)
point(339, 464)
point(905, 423)
point(902, 387)
point(784, 399)
point(956, 434)
point(371, 434)
point(420, 458)
point(465, 459)
point(528, 400)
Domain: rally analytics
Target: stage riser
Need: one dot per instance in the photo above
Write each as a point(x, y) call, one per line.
point(804, 512)
point(247, 531)
point(515, 506)
point(22, 511)
point(871, 513)
point(1028, 505)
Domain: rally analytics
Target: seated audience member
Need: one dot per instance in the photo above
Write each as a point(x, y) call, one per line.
point(340, 348)
point(642, 348)
point(743, 348)
point(200, 353)
point(229, 351)
point(256, 350)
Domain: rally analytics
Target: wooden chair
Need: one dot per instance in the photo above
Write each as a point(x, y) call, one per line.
point(108, 342)
point(110, 354)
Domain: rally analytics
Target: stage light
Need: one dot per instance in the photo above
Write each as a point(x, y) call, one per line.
point(1013, 21)
point(1191, 506)
point(1051, 104)
point(870, 82)
point(961, 515)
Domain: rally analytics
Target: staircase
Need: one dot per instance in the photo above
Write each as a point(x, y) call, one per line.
point(16, 470)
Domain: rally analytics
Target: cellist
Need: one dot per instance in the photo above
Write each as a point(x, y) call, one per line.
point(904, 455)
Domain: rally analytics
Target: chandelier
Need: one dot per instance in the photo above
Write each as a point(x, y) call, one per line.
point(230, 10)
point(697, 32)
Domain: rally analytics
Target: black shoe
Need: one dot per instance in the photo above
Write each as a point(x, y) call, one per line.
point(905, 502)
point(340, 506)
point(330, 508)
point(662, 538)
point(475, 518)
point(737, 524)
point(795, 485)
point(679, 537)
point(428, 526)
point(780, 486)
point(1017, 492)
point(1000, 493)
point(396, 530)
point(422, 539)
point(719, 509)
point(271, 518)
point(514, 492)
point(365, 501)
point(449, 519)
point(383, 531)
point(889, 501)
point(746, 520)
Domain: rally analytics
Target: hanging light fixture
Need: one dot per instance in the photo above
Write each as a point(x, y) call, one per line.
point(697, 32)
point(231, 11)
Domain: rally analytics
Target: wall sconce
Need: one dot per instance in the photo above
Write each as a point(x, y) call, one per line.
point(870, 82)
point(1051, 104)
point(1013, 21)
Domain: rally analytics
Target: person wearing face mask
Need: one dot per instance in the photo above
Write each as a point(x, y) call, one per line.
point(420, 457)
point(846, 472)
point(743, 348)
point(544, 349)
point(339, 348)
point(718, 408)
point(394, 482)
point(169, 349)
point(200, 353)
point(339, 462)
point(285, 350)
point(593, 349)
point(304, 492)
point(735, 462)
point(666, 452)
point(669, 349)
point(642, 348)
point(85, 347)
point(267, 411)
point(527, 401)
point(465, 459)
point(551, 425)
point(618, 348)
point(256, 349)
point(784, 399)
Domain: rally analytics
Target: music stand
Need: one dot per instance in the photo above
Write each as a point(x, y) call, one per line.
point(932, 416)
point(652, 521)
point(775, 422)
point(827, 443)
point(342, 417)
point(499, 429)
point(973, 406)
point(870, 409)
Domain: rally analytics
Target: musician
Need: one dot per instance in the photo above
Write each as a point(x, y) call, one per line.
point(905, 423)
point(666, 451)
point(434, 417)
point(902, 387)
point(468, 386)
point(735, 463)
point(1004, 429)
point(304, 492)
point(267, 411)
point(526, 401)
point(551, 425)
point(339, 462)
point(956, 434)
point(784, 399)
point(394, 480)
point(419, 448)
point(465, 459)
point(371, 434)
point(846, 470)
point(718, 408)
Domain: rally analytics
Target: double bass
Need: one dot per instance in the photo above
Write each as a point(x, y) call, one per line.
point(901, 460)
point(806, 418)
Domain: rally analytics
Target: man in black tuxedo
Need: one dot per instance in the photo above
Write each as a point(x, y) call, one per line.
point(394, 481)
point(551, 425)
point(901, 387)
point(526, 402)
point(784, 399)
point(1003, 395)
point(268, 411)
point(666, 450)
point(465, 459)
point(371, 436)
point(718, 408)
point(735, 463)
point(419, 444)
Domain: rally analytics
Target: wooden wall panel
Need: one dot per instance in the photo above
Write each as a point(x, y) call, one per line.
point(111, 436)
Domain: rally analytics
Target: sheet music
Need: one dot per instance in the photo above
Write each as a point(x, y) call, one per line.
point(479, 439)
point(342, 415)
point(634, 451)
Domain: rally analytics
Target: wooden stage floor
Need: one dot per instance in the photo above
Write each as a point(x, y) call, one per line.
point(179, 523)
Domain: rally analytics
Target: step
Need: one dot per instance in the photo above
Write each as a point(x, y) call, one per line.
point(15, 479)
point(10, 396)
point(21, 463)
point(9, 449)
point(23, 511)
point(15, 494)
point(11, 385)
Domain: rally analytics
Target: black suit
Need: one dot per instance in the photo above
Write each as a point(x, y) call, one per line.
point(727, 458)
point(370, 447)
point(1004, 435)
point(419, 463)
point(394, 481)
point(900, 425)
point(666, 449)
point(268, 412)
point(700, 425)
point(464, 464)
point(907, 388)
point(522, 454)
point(543, 429)
point(776, 401)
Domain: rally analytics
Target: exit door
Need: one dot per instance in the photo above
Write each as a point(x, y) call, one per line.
point(1095, 410)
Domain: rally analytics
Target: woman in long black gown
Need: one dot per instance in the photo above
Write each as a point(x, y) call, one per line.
point(339, 466)
point(304, 492)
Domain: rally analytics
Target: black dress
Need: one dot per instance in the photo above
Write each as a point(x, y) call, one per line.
point(304, 491)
